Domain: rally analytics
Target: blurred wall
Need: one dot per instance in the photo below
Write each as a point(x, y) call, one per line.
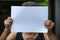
point(57, 17)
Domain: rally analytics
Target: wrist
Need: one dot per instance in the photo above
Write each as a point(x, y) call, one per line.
point(7, 29)
point(49, 29)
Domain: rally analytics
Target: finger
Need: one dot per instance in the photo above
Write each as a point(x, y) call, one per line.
point(48, 22)
point(10, 21)
point(9, 18)
point(7, 21)
point(52, 24)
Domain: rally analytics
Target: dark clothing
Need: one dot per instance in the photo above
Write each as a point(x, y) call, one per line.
point(19, 36)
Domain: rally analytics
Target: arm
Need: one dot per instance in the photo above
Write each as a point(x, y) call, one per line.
point(46, 36)
point(6, 31)
point(5, 34)
point(12, 36)
point(8, 36)
point(49, 24)
point(51, 35)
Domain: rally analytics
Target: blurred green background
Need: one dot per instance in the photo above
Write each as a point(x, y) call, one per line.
point(43, 2)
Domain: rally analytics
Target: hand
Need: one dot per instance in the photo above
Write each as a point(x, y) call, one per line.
point(8, 23)
point(49, 24)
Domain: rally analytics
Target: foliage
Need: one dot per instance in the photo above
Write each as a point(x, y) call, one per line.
point(42, 2)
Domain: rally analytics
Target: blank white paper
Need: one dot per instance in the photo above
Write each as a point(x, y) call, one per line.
point(29, 19)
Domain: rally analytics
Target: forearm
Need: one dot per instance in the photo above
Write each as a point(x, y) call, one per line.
point(46, 36)
point(5, 34)
point(51, 35)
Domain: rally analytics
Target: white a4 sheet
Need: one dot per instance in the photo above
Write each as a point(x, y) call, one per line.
point(29, 18)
